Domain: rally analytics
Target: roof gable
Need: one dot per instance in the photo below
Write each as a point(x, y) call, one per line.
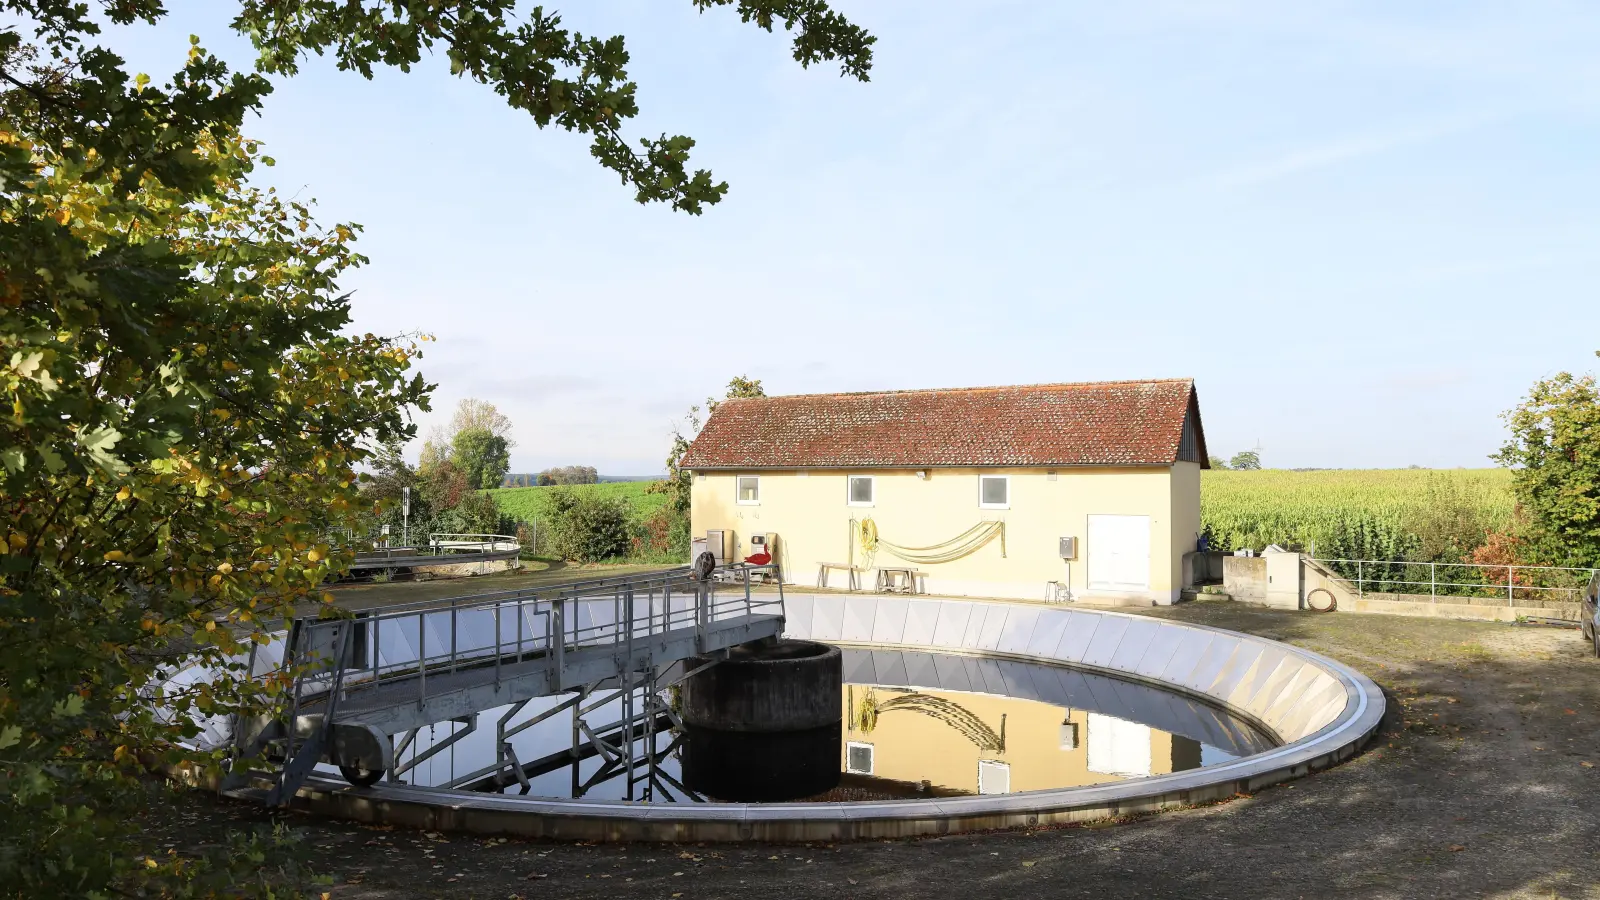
point(1108, 423)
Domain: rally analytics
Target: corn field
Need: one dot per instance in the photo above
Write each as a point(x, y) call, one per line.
point(1382, 514)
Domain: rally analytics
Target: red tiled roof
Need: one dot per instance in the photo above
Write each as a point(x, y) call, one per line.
point(1107, 423)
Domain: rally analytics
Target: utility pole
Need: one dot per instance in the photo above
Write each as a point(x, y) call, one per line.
point(405, 516)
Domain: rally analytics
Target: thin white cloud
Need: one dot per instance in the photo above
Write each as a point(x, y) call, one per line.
point(1334, 153)
point(1499, 266)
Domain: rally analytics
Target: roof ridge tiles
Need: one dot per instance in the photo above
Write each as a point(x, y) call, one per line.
point(1097, 423)
point(1048, 385)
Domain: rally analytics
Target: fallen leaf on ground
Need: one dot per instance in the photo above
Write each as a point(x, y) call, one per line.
point(1456, 848)
point(1027, 864)
point(1587, 765)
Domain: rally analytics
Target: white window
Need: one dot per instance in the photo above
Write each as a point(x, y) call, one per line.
point(858, 758)
point(994, 491)
point(994, 777)
point(861, 490)
point(749, 490)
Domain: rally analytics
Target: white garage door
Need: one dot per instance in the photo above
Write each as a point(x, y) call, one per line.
point(1119, 553)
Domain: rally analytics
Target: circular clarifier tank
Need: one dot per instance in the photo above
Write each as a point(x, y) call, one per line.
point(884, 716)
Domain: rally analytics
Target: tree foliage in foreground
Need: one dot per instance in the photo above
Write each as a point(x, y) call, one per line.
point(185, 416)
point(184, 411)
point(1554, 454)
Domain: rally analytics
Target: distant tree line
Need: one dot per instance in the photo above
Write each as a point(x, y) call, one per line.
point(568, 475)
point(1244, 460)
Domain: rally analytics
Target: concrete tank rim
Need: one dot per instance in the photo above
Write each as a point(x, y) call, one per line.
point(1340, 738)
point(826, 650)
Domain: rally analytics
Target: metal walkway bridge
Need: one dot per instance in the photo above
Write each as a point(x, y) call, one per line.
point(359, 683)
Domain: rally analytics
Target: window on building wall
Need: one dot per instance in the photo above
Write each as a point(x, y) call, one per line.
point(861, 490)
point(994, 777)
point(858, 758)
point(994, 491)
point(749, 489)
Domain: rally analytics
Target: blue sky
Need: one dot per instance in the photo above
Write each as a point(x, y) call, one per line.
point(1363, 228)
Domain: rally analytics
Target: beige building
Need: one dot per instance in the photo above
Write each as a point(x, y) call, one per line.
point(970, 743)
point(1062, 491)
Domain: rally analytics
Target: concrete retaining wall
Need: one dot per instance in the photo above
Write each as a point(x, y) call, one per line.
point(1244, 578)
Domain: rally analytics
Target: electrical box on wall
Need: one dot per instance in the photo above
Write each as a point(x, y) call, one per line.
point(720, 543)
point(766, 542)
point(1069, 548)
point(1069, 735)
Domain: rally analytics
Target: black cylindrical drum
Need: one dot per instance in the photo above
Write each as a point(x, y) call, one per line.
point(764, 724)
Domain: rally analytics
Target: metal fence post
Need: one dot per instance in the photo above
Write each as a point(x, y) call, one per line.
point(1511, 585)
point(1433, 580)
point(559, 641)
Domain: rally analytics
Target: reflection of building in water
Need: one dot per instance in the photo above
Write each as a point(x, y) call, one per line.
point(953, 742)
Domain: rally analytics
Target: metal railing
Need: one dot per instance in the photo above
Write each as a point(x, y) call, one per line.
point(1454, 580)
point(426, 639)
point(471, 543)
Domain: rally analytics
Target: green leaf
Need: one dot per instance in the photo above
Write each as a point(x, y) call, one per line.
point(69, 707)
point(10, 736)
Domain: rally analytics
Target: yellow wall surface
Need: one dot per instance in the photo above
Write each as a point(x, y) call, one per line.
point(1185, 516)
point(810, 514)
point(911, 746)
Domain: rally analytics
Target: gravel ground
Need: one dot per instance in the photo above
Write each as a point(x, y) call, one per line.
point(1483, 782)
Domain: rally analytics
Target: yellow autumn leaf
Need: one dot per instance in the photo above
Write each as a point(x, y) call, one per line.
point(314, 556)
point(115, 556)
point(211, 626)
point(125, 493)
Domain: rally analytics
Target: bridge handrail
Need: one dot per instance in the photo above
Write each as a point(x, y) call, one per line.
point(470, 601)
point(547, 624)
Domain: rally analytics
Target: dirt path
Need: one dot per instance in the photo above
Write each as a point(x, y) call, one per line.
point(1476, 787)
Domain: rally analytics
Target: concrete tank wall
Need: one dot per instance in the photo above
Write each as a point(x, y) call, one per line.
point(792, 686)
